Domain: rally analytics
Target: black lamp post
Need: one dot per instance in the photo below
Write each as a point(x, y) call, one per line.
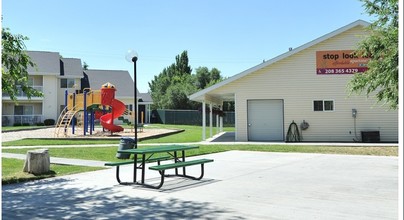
point(131, 56)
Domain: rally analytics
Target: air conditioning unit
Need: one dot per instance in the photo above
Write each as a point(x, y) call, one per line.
point(370, 136)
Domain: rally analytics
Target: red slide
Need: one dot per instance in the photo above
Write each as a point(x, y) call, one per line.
point(107, 120)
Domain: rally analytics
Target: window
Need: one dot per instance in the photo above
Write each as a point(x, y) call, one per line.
point(323, 105)
point(328, 105)
point(23, 110)
point(66, 83)
point(30, 81)
point(318, 106)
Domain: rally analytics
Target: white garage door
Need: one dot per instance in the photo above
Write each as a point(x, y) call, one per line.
point(265, 120)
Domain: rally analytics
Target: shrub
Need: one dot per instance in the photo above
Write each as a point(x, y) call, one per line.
point(17, 124)
point(49, 122)
point(40, 124)
point(25, 124)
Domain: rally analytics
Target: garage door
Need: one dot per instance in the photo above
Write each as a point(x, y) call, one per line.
point(265, 120)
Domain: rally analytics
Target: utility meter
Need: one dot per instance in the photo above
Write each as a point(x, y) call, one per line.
point(354, 113)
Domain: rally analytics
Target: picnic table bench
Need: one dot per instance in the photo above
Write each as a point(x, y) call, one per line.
point(125, 162)
point(164, 167)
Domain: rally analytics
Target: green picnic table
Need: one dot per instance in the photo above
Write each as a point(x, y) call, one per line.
point(148, 155)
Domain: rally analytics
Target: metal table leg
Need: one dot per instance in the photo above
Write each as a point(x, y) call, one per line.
point(175, 160)
point(183, 160)
point(135, 168)
point(143, 167)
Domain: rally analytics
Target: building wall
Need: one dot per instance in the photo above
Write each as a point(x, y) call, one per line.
point(126, 101)
point(61, 94)
point(7, 108)
point(295, 81)
point(50, 101)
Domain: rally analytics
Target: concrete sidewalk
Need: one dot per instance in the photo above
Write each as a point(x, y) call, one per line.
point(58, 160)
point(238, 185)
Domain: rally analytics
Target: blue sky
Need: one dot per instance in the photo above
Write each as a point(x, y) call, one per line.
point(229, 35)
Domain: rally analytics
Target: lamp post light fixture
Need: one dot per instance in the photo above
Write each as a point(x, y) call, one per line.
point(131, 56)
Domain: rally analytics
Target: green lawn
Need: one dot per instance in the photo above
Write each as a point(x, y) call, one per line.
point(38, 142)
point(108, 153)
point(190, 134)
point(12, 171)
point(12, 168)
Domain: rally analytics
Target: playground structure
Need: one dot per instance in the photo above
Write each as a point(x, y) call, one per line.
point(82, 109)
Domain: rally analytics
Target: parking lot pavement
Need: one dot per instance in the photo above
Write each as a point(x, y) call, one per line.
point(237, 185)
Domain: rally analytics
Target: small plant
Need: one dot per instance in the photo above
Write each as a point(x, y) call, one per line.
point(49, 122)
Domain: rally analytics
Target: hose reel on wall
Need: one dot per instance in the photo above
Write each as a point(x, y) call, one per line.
point(304, 125)
point(293, 134)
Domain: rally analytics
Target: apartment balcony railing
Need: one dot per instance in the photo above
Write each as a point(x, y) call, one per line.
point(20, 94)
point(10, 120)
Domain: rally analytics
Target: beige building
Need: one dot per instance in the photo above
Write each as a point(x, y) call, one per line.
point(54, 76)
point(306, 85)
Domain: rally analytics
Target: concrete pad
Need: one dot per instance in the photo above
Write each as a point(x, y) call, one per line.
point(238, 185)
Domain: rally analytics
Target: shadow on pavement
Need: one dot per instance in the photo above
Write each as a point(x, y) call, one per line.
point(226, 137)
point(58, 199)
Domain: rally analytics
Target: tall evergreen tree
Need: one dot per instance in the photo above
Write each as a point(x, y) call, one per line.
point(171, 88)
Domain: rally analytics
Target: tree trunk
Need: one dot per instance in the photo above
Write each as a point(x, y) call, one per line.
point(37, 162)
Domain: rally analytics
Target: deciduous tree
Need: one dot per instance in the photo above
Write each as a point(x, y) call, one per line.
point(15, 62)
point(382, 46)
point(205, 78)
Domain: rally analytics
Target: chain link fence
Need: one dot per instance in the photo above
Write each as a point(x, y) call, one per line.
point(188, 117)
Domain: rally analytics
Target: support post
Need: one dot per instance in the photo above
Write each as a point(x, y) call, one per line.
point(134, 59)
point(203, 121)
point(66, 96)
point(149, 113)
point(74, 118)
point(217, 123)
point(85, 112)
point(210, 119)
point(221, 120)
point(91, 121)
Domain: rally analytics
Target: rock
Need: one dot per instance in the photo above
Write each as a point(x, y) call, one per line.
point(37, 162)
